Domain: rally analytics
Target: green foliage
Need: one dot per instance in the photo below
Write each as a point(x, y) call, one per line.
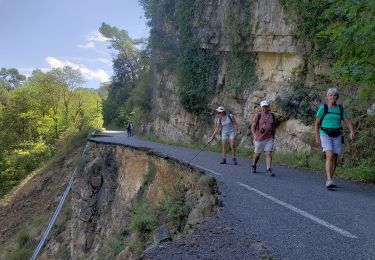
point(20, 162)
point(38, 112)
point(341, 30)
point(241, 62)
point(342, 34)
point(177, 48)
point(196, 65)
point(131, 85)
point(142, 219)
point(351, 37)
point(116, 245)
point(175, 208)
point(10, 78)
point(162, 40)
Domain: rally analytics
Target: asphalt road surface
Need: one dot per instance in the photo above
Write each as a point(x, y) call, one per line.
point(292, 214)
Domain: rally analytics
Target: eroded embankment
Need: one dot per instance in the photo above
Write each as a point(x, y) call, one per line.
point(125, 200)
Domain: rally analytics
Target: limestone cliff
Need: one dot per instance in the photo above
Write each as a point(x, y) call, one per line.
point(276, 54)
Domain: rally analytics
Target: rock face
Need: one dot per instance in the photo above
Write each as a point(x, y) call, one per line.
point(276, 54)
point(104, 191)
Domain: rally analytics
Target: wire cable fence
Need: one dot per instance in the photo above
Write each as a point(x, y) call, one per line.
point(58, 209)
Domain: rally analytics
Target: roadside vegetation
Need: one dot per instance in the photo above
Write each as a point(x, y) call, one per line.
point(339, 35)
point(39, 113)
point(311, 160)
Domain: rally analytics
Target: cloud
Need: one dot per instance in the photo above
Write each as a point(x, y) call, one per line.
point(106, 61)
point(87, 73)
point(87, 45)
point(96, 37)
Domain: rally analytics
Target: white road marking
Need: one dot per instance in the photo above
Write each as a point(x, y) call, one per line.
point(205, 169)
point(300, 211)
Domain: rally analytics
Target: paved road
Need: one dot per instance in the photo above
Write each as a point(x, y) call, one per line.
point(292, 214)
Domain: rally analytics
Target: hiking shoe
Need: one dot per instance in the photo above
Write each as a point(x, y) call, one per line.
point(329, 184)
point(254, 167)
point(270, 173)
point(224, 161)
point(234, 161)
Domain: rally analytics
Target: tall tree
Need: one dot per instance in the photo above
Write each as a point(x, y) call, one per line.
point(72, 79)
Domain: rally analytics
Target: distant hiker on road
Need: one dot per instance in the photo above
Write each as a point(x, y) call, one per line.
point(328, 133)
point(263, 131)
point(227, 125)
point(129, 130)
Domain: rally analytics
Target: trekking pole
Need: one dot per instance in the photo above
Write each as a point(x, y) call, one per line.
point(200, 150)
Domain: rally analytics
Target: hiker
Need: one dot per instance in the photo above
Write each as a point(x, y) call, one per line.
point(328, 133)
point(128, 130)
point(131, 129)
point(263, 131)
point(227, 125)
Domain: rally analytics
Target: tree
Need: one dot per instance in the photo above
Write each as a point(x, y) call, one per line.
point(129, 66)
point(72, 79)
point(10, 78)
point(49, 90)
point(127, 58)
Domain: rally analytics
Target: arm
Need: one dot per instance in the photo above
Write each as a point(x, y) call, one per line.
point(253, 126)
point(316, 131)
point(217, 130)
point(349, 125)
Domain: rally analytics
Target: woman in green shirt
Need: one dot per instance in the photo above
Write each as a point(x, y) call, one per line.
point(328, 134)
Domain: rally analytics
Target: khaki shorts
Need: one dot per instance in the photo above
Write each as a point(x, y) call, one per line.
point(263, 146)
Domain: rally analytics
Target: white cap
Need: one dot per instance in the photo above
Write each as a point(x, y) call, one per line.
point(264, 103)
point(220, 109)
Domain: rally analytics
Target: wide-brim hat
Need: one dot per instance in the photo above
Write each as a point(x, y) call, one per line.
point(220, 109)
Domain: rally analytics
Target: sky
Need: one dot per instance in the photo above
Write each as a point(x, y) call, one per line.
point(48, 34)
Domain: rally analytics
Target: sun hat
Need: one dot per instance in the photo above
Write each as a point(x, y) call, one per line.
point(220, 109)
point(264, 103)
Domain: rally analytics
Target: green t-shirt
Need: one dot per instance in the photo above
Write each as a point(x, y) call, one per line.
point(331, 120)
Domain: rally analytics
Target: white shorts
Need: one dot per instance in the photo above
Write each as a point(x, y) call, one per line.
point(227, 135)
point(263, 146)
point(333, 144)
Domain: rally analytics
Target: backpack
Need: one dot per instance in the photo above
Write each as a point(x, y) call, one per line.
point(332, 132)
point(230, 115)
point(326, 112)
point(273, 122)
point(230, 118)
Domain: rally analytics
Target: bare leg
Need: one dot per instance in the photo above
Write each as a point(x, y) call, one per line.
point(334, 163)
point(330, 165)
point(268, 159)
point(233, 148)
point(256, 158)
point(224, 149)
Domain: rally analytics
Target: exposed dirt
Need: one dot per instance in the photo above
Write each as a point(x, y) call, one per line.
point(37, 196)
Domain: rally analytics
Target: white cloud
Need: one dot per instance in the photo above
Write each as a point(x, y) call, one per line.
point(106, 61)
point(96, 37)
point(87, 73)
point(87, 45)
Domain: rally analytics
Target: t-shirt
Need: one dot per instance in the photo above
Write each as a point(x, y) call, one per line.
point(331, 120)
point(266, 123)
point(226, 124)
